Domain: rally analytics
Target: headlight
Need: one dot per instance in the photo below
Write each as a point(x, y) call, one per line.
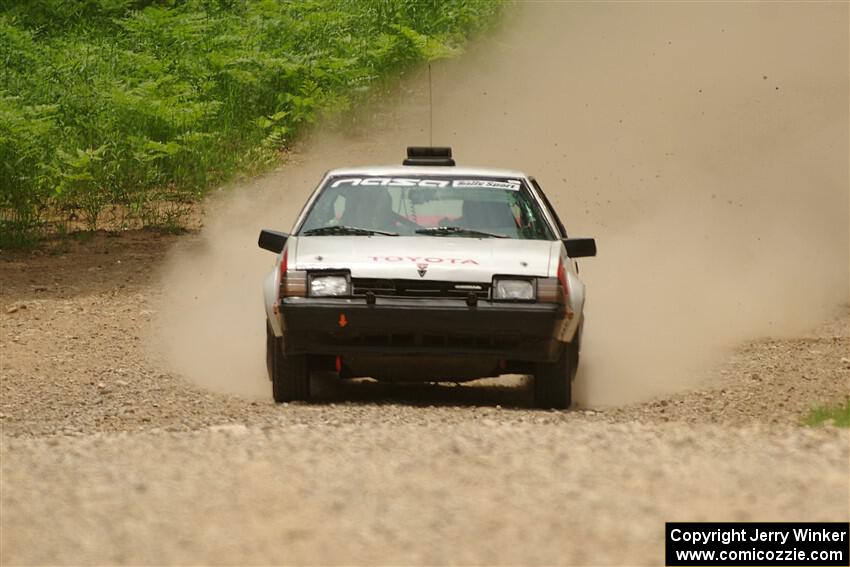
point(329, 286)
point(513, 290)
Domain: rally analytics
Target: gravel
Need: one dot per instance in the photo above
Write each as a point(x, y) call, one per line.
point(345, 487)
point(108, 459)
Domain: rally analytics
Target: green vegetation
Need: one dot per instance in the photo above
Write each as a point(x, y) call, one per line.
point(838, 415)
point(138, 106)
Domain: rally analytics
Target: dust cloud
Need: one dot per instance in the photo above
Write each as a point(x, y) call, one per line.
point(705, 146)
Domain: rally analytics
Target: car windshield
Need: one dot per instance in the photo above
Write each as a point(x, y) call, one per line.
point(463, 207)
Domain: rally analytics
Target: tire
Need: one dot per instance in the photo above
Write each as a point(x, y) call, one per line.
point(553, 381)
point(290, 375)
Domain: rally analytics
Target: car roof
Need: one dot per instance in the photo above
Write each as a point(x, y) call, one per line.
point(426, 170)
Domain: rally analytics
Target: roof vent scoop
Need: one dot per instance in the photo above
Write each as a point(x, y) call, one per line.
point(425, 155)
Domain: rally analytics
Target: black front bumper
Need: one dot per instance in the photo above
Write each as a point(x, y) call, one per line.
point(395, 326)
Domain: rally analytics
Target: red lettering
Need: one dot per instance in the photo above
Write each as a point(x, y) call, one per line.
point(417, 259)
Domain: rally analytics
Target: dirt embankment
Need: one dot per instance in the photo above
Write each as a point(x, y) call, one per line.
point(703, 147)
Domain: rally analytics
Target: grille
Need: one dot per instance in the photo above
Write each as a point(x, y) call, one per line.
point(416, 341)
point(419, 288)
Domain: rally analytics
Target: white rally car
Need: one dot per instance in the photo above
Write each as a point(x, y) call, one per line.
point(425, 272)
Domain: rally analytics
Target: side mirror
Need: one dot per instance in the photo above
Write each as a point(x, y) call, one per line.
point(580, 247)
point(272, 240)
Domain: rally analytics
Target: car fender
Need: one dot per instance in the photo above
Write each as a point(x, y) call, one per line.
point(576, 304)
point(575, 299)
point(271, 285)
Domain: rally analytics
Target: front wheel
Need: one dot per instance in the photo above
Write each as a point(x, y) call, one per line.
point(553, 381)
point(290, 375)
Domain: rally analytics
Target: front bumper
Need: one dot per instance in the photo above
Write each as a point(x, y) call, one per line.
point(396, 326)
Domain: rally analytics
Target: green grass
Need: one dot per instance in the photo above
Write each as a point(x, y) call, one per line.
point(838, 415)
point(129, 104)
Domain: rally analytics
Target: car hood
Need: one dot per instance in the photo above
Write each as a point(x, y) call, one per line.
point(440, 258)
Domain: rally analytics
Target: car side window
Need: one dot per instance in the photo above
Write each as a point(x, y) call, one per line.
point(549, 207)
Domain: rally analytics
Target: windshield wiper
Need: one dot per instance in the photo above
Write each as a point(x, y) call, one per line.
point(449, 230)
point(342, 229)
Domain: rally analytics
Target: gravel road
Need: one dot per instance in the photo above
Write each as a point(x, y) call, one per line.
point(108, 459)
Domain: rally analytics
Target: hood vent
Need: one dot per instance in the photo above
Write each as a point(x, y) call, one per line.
point(425, 155)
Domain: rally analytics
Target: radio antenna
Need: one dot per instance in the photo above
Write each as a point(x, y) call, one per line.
point(430, 109)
